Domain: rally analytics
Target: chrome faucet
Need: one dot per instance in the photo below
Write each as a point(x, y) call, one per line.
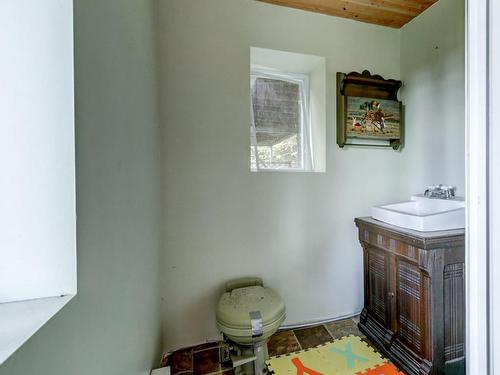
point(440, 192)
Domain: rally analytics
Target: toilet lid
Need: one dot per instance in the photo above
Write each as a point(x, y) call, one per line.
point(235, 307)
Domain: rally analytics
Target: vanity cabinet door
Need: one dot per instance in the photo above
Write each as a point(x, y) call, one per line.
point(411, 307)
point(377, 284)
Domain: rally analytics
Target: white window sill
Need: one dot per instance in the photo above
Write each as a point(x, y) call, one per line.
point(20, 320)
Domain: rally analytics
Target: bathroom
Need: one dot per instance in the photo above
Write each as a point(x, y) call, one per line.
point(295, 230)
point(169, 209)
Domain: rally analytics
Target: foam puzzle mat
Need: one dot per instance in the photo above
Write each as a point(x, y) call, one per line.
point(346, 356)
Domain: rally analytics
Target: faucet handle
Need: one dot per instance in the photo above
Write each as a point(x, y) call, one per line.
point(449, 191)
point(430, 189)
point(440, 191)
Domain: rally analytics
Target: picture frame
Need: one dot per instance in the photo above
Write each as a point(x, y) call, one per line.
point(368, 111)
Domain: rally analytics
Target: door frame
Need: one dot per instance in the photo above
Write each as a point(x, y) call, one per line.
point(483, 210)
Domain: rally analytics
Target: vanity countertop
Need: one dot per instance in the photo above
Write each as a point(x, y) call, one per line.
point(424, 240)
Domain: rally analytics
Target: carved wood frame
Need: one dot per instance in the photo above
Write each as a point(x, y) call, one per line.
point(369, 86)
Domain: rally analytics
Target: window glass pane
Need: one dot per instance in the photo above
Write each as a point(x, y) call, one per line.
point(276, 105)
point(253, 161)
point(286, 153)
point(277, 113)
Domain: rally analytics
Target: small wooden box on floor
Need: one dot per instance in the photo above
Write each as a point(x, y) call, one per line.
point(414, 297)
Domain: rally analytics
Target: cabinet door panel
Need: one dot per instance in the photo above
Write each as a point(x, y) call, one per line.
point(410, 306)
point(454, 313)
point(377, 284)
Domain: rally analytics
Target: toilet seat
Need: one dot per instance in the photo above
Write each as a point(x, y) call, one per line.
point(234, 308)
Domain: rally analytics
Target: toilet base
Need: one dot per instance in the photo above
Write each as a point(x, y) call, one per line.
point(256, 367)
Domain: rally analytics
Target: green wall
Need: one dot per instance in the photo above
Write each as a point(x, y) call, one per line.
point(295, 230)
point(433, 74)
point(113, 325)
point(221, 221)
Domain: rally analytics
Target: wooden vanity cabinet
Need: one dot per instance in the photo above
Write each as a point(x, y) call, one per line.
point(414, 301)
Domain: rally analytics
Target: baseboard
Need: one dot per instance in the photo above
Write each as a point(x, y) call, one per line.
point(310, 323)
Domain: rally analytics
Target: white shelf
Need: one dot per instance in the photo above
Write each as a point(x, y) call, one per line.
point(20, 320)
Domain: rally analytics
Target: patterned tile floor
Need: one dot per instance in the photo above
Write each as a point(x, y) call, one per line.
point(206, 358)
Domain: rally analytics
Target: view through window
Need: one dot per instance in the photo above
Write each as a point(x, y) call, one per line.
point(279, 126)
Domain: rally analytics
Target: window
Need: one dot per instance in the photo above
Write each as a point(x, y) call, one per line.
point(280, 118)
point(288, 111)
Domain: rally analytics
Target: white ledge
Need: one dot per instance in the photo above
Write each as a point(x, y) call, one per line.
point(20, 320)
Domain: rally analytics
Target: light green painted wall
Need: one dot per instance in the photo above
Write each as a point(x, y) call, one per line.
point(295, 230)
point(433, 72)
point(113, 325)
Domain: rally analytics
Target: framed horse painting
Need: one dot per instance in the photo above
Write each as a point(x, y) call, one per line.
point(373, 118)
point(368, 111)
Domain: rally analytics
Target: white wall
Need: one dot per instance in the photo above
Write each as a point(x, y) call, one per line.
point(37, 154)
point(113, 325)
point(221, 221)
point(433, 73)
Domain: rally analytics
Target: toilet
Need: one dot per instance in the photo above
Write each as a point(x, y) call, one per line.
point(247, 315)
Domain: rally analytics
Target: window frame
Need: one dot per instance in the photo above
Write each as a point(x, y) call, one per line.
point(306, 149)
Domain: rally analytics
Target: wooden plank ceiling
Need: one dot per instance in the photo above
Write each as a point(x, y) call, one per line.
point(392, 13)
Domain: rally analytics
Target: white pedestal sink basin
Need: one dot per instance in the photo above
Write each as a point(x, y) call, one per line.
point(423, 214)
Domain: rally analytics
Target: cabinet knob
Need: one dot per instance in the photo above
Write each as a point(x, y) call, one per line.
point(391, 294)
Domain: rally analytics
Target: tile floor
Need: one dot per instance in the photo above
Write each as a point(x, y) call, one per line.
point(206, 358)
